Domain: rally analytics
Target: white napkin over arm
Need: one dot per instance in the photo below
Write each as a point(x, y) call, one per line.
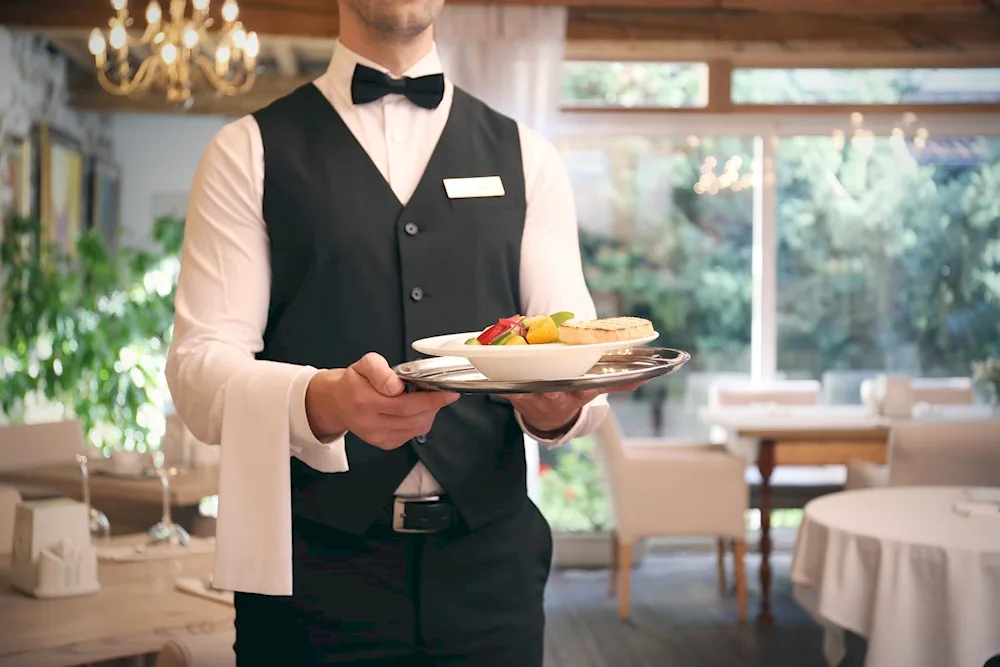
point(254, 409)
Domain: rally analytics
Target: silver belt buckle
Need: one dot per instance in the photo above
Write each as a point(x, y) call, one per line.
point(399, 513)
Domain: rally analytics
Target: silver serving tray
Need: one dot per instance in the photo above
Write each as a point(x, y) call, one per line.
point(615, 368)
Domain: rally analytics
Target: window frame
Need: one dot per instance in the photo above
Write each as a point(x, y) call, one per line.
point(720, 77)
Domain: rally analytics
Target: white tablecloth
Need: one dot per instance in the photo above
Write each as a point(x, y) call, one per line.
point(903, 568)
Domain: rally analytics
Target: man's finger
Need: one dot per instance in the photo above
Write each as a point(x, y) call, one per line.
point(374, 368)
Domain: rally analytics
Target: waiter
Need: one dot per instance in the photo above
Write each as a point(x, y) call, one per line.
point(359, 524)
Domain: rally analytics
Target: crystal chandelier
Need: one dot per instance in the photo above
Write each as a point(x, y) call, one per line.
point(864, 140)
point(173, 53)
point(730, 179)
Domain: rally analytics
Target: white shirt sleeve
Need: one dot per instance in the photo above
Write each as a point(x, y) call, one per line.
point(551, 278)
point(221, 309)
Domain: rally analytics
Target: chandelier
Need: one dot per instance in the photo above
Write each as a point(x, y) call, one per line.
point(730, 179)
point(175, 52)
point(864, 139)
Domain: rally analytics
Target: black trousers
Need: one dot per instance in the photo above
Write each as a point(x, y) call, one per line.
point(457, 599)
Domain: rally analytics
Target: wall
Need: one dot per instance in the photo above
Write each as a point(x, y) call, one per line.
point(33, 90)
point(158, 156)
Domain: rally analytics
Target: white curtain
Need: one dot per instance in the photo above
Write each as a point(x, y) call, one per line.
point(509, 57)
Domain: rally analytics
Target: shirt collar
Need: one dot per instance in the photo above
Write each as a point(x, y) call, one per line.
point(337, 78)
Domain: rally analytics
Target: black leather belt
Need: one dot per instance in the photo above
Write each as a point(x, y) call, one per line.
point(429, 514)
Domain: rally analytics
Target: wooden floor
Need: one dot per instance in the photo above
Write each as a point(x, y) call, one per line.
point(678, 619)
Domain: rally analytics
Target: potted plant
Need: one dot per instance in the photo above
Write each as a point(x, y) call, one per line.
point(988, 372)
point(87, 332)
point(575, 502)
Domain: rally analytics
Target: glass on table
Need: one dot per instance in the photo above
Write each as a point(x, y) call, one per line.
point(96, 519)
point(166, 531)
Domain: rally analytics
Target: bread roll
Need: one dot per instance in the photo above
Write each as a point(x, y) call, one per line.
point(606, 330)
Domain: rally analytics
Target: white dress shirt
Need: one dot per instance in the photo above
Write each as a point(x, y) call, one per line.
point(256, 409)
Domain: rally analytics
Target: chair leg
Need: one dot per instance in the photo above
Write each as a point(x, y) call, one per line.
point(613, 566)
point(720, 562)
point(739, 553)
point(625, 570)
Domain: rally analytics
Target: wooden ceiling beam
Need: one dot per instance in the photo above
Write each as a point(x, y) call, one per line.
point(318, 18)
point(740, 55)
point(878, 33)
point(725, 31)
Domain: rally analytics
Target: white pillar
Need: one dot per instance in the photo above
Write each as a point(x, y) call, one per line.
point(764, 332)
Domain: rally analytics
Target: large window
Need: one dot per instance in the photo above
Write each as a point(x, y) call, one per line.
point(888, 257)
point(634, 84)
point(865, 86)
point(872, 245)
point(666, 234)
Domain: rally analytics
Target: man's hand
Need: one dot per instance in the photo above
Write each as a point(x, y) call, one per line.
point(368, 400)
point(554, 413)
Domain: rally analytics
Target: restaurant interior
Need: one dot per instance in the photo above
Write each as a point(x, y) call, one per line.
point(803, 196)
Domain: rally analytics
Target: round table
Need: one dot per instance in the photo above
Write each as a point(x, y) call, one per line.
point(905, 569)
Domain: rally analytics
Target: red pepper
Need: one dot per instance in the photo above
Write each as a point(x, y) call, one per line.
point(503, 325)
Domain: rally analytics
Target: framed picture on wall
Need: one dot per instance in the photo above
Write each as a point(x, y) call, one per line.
point(18, 175)
point(105, 199)
point(62, 178)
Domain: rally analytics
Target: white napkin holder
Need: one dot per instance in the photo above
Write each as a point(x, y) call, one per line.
point(895, 395)
point(52, 555)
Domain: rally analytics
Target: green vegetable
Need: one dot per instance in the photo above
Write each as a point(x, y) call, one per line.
point(473, 341)
point(501, 340)
point(562, 317)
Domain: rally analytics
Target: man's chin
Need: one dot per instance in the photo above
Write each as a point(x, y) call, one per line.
point(398, 18)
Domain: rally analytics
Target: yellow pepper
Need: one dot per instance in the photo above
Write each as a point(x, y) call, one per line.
point(543, 331)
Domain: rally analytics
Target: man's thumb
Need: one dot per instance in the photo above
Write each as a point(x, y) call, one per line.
point(374, 368)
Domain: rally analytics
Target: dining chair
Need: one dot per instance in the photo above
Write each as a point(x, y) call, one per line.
point(10, 498)
point(943, 391)
point(30, 445)
point(25, 446)
point(934, 453)
point(672, 491)
point(779, 392)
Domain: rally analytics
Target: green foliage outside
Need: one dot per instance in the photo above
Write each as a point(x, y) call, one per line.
point(888, 256)
point(87, 333)
point(573, 489)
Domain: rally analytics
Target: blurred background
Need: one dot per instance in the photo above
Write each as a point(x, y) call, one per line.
point(803, 196)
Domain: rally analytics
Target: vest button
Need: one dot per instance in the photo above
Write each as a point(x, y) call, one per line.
point(411, 228)
point(416, 294)
point(421, 439)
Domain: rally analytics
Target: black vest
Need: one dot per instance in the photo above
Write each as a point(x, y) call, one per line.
point(354, 271)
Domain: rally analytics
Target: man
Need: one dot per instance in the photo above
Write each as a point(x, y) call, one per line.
point(359, 523)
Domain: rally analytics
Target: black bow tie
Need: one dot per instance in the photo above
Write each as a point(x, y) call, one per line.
point(369, 85)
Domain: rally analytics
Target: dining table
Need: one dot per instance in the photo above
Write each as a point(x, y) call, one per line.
point(914, 570)
point(137, 499)
point(136, 611)
point(769, 436)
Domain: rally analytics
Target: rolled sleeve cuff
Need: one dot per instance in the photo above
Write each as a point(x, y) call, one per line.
point(302, 436)
point(590, 417)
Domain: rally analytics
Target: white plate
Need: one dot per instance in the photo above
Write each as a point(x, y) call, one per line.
point(522, 363)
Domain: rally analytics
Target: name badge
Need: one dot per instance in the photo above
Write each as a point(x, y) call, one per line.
point(481, 186)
